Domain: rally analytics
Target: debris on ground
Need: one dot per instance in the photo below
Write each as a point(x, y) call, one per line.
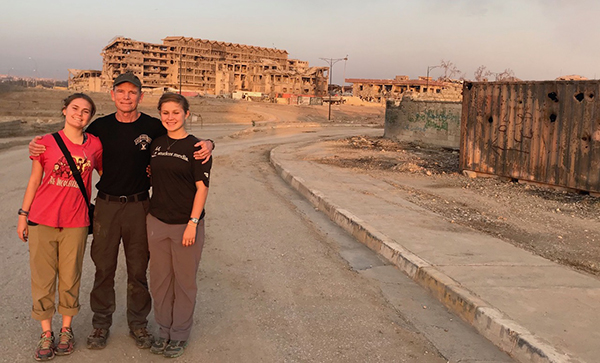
point(561, 226)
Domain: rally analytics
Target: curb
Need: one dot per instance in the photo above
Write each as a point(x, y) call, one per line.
point(490, 322)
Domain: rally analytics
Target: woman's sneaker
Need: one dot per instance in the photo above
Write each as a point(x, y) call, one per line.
point(45, 347)
point(159, 345)
point(66, 342)
point(175, 348)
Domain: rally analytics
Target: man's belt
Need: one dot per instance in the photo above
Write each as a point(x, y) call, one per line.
point(124, 198)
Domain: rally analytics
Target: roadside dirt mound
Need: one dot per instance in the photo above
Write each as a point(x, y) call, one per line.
point(560, 226)
point(386, 154)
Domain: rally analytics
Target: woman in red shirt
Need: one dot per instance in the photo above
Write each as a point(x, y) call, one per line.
point(54, 220)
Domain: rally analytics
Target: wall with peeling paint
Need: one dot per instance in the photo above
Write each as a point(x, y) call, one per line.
point(429, 121)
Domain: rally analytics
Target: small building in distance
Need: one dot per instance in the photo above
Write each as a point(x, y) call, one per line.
point(379, 90)
point(209, 67)
point(571, 77)
point(86, 80)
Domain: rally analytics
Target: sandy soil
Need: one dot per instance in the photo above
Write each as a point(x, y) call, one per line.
point(44, 106)
point(558, 225)
point(561, 226)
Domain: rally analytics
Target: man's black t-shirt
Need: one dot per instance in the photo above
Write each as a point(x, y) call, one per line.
point(174, 176)
point(126, 152)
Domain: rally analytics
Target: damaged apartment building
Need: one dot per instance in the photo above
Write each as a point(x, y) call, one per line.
point(205, 67)
point(382, 89)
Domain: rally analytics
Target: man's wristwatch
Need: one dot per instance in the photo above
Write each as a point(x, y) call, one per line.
point(23, 212)
point(194, 220)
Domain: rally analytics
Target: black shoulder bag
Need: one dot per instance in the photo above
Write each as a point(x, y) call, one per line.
point(77, 175)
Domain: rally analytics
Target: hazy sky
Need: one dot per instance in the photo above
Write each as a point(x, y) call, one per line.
point(537, 39)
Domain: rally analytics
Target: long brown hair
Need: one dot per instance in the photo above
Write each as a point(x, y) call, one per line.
point(67, 101)
point(174, 97)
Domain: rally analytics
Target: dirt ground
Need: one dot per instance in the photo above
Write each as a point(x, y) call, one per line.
point(557, 225)
point(561, 226)
point(44, 106)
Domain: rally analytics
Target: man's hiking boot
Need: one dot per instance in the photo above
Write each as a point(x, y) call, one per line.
point(97, 338)
point(143, 339)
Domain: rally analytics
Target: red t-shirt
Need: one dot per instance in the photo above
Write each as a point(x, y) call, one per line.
point(58, 201)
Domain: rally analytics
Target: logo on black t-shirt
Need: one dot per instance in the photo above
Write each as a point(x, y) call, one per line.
point(143, 141)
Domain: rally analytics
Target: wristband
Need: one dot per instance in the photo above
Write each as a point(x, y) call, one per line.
point(212, 143)
point(23, 212)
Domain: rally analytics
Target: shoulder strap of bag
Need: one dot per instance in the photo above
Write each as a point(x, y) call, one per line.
point(76, 173)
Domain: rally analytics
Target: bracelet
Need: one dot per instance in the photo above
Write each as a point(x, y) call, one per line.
point(23, 212)
point(194, 220)
point(212, 143)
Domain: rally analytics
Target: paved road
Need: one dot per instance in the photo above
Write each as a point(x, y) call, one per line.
point(278, 282)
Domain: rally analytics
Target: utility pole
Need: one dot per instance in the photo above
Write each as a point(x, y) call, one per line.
point(331, 62)
point(344, 83)
point(35, 71)
point(180, 52)
point(428, 69)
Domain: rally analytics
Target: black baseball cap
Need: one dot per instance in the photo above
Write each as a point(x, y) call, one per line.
point(128, 77)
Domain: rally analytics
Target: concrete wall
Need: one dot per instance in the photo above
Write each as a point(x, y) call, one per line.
point(429, 119)
point(90, 84)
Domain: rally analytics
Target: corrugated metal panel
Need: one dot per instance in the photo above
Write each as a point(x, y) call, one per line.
point(547, 132)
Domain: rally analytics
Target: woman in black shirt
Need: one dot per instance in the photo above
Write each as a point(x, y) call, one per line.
point(175, 226)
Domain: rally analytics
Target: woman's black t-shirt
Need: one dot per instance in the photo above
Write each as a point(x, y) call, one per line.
point(174, 176)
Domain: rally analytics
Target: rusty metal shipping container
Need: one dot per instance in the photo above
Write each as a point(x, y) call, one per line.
point(547, 132)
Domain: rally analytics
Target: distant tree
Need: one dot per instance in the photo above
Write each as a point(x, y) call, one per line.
point(482, 74)
point(507, 75)
point(451, 71)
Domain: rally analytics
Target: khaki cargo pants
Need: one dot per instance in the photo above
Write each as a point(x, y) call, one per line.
point(55, 253)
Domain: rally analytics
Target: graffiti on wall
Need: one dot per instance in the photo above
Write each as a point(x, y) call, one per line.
point(434, 119)
point(521, 134)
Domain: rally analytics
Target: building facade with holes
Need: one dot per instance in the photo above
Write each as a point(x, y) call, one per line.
point(209, 67)
point(379, 90)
